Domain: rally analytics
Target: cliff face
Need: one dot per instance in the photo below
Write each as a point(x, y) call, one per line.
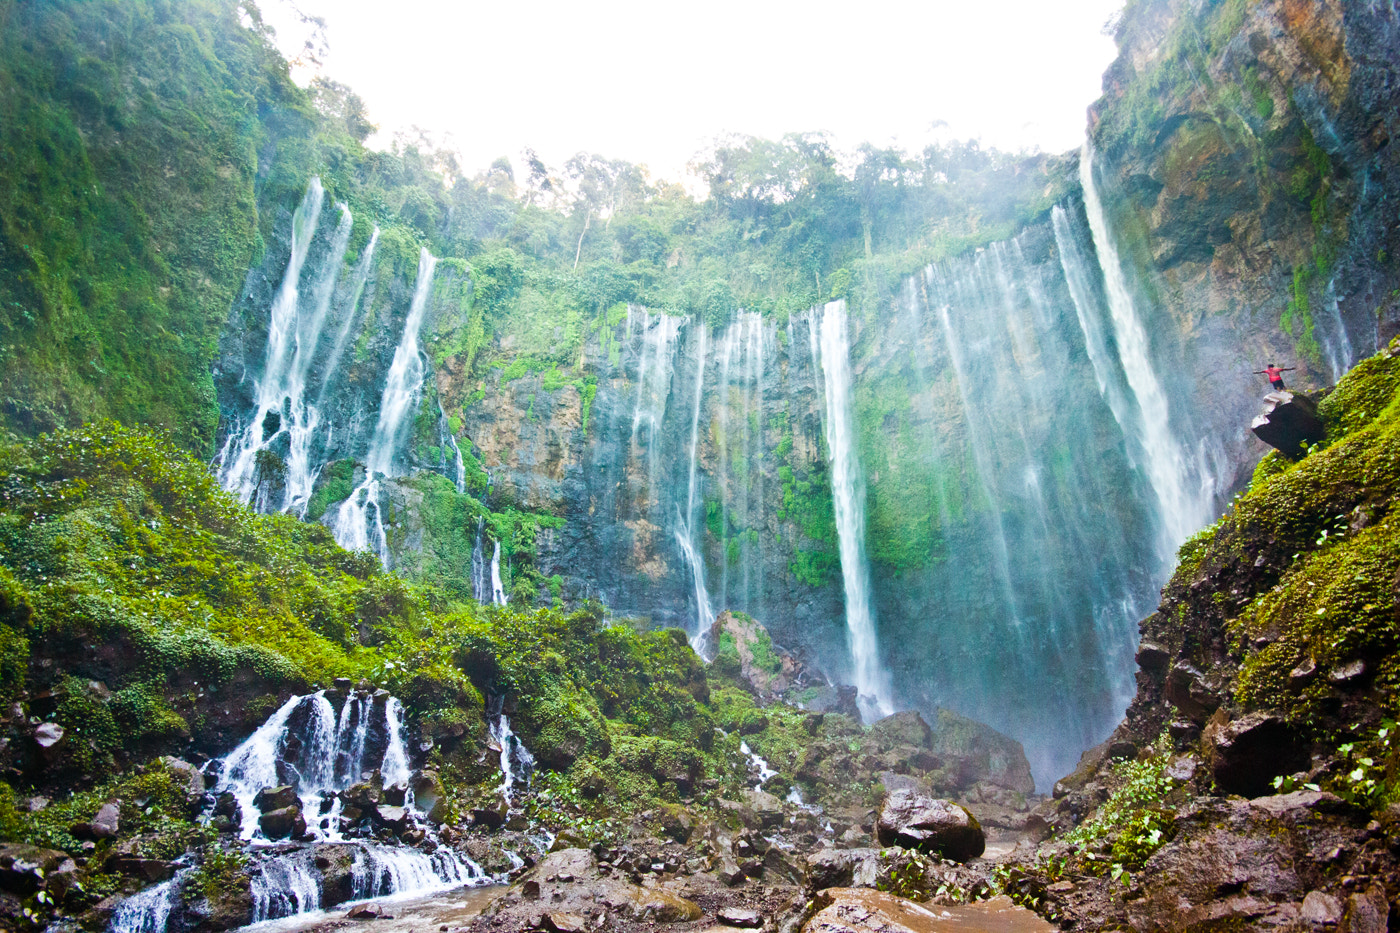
point(1244, 148)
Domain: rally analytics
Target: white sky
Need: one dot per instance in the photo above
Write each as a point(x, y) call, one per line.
point(652, 82)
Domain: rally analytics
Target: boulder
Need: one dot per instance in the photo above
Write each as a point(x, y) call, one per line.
point(103, 826)
point(148, 870)
point(744, 641)
point(1247, 753)
point(1289, 423)
point(276, 798)
point(23, 868)
point(744, 918)
point(916, 820)
point(394, 818)
point(977, 752)
point(336, 865)
point(1321, 908)
point(845, 868)
point(190, 779)
point(905, 728)
point(283, 824)
point(48, 734)
point(1189, 692)
point(429, 797)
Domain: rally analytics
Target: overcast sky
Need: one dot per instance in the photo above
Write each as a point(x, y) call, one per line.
point(654, 82)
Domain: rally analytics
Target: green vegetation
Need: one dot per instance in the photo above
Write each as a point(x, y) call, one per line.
point(1134, 822)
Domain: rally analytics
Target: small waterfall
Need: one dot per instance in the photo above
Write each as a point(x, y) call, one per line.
point(760, 767)
point(457, 469)
point(306, 745)
point(848, 495)
point(294, 332)
point(347, 324)
point(148, 911)
point(688, 525)
point(738, 398)
point(284, 886)
point(395, 767)
point(381, 871)
point(498, 592)
point(479, 562)
point(352, 526)
point(517, 764)
point(1182, 509)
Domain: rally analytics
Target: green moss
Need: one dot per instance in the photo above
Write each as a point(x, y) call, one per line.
point(1326, 524)
point(335, 484)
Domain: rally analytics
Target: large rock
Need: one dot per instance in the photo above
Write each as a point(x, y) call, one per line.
point(284, 823)
point(981, 752)
point(276, 798)
point(845, 868)
point(1246, 754)
point(905, 728)
point(742, 640)
point(1289, 422)
point(428, 795)
point(23, 868)
point(916, 820)
point(859, 910)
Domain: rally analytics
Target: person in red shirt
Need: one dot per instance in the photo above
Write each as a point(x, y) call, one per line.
point(1275, 375)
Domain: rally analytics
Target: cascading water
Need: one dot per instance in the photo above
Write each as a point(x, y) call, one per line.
point(149, 911)
point(764, 771)
point(498, 590)
point(294, 332)
point(359, 523)
point(517, 764)
point(848, 497)
point(687, 524)
point(324, 758)
point(454, 469)
point(1182, 509)
point(479, 562)
point(1027, 472)
point(351, 315)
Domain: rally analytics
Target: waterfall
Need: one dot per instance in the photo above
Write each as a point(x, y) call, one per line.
point(517, 764)
point(848, 496)
point(479, 562)
point(395, 766)
point(380, 871)
point(498, 592)
point(761, 767)
point(148, 911)
point(1079, 280)
point(352, 527)
point(1182, 510)
point(687, 530)
point(654, 367)
point(285, 886)
point(294, 332)
point(347, 324)
point(457, 469)
point(306, 745)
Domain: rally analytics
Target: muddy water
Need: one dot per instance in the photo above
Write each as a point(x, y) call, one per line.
point(858, 910)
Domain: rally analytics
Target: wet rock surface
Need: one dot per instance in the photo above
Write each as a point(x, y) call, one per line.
point(915, 819)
